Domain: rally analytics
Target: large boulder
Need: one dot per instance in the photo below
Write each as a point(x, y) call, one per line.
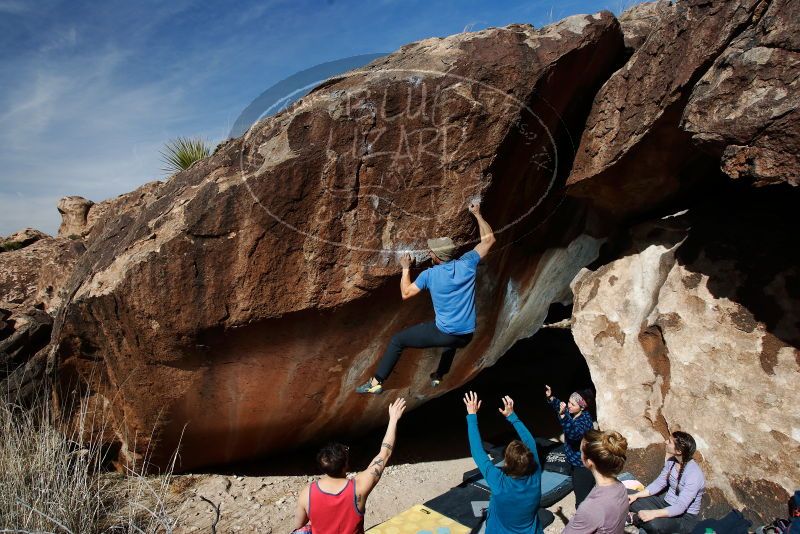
point(746, 108)
point(31, 283)
point(36, 273)
point(73, 210)
point(236, 309)
point(21, 239)
point(31, 334)
point(633, 155)
point(696, 326)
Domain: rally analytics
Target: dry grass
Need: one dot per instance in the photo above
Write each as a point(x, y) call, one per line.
point(54, 482)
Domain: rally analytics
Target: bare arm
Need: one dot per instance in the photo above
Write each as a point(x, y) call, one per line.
point(367, 479)
point(300, 512)
point(487, 235)
point(407, 288)
point(639, 495)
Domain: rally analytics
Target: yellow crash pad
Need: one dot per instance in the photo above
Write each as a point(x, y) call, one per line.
point(418, 520)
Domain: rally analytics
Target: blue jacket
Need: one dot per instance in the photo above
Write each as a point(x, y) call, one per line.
point(574, 429)
point(514, 503)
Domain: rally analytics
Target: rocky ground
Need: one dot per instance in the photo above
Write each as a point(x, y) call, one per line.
point(266, 504)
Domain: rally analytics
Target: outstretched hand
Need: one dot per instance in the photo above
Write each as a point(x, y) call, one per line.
point(472, 402)
point(508, 406)
point(405, 261)
point(396, 409)
point(548, 392)
point(474, 207)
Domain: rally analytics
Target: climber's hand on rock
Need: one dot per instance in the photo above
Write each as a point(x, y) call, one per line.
point(508, 406)
point(474, 207)
point(405, 261)
point(396, 409)
point(472, 402)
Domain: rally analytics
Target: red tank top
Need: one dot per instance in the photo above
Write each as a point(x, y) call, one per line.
point(335, 513)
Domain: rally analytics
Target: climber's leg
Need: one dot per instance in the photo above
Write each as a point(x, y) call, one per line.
point(448, 354)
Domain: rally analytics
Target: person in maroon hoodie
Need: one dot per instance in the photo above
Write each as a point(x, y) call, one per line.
point(335, 504)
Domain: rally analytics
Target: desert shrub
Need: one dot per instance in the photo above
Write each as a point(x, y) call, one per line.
point(52, 481)
point(10, 245)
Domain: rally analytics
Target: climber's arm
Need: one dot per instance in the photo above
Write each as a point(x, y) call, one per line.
point(487, 235)
point(408, 288)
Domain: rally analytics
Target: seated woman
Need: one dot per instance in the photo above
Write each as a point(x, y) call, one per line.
point(576, 421)
point(516, 487)
point(676, 511)
point(605, 508)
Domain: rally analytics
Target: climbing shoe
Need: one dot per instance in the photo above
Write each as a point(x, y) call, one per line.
point(435, 380)
point(367, 387)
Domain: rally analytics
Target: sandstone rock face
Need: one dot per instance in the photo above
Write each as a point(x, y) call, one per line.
point(633, 155)
point(31, 280)
point(639, 21)
point(23, 357)
point(239, 304)
point(36, 273)
point(746, 108)
point(696, 327)
point(73, 210)
point(127, 205)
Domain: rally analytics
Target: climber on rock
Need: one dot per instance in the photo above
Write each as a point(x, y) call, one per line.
point(451, 282)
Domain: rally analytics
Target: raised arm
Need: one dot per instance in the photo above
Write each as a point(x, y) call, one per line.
point(554, 403)
point(368, 478)
point(487, 235)
point(408, 289)
point(489, 471)
point(522, 431)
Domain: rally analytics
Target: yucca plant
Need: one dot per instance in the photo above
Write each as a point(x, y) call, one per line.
point(182, 152)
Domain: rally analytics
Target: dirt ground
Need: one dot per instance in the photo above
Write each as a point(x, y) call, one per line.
point(266, 504)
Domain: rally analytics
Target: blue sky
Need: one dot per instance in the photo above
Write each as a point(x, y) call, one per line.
point(90, 92)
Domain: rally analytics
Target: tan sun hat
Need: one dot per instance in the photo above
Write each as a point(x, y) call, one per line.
point(443, 247)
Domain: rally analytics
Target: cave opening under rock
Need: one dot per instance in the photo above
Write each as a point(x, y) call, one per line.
point(438, 432)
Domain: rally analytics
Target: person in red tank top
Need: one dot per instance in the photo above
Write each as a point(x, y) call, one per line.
point(335, 504)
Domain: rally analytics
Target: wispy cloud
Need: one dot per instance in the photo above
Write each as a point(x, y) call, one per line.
point(65, 38)
point(14, 7)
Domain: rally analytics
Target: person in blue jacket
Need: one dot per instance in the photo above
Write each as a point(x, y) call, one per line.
point(576, 421)
point(517, 486)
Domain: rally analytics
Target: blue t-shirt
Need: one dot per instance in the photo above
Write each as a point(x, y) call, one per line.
point(452, 287)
